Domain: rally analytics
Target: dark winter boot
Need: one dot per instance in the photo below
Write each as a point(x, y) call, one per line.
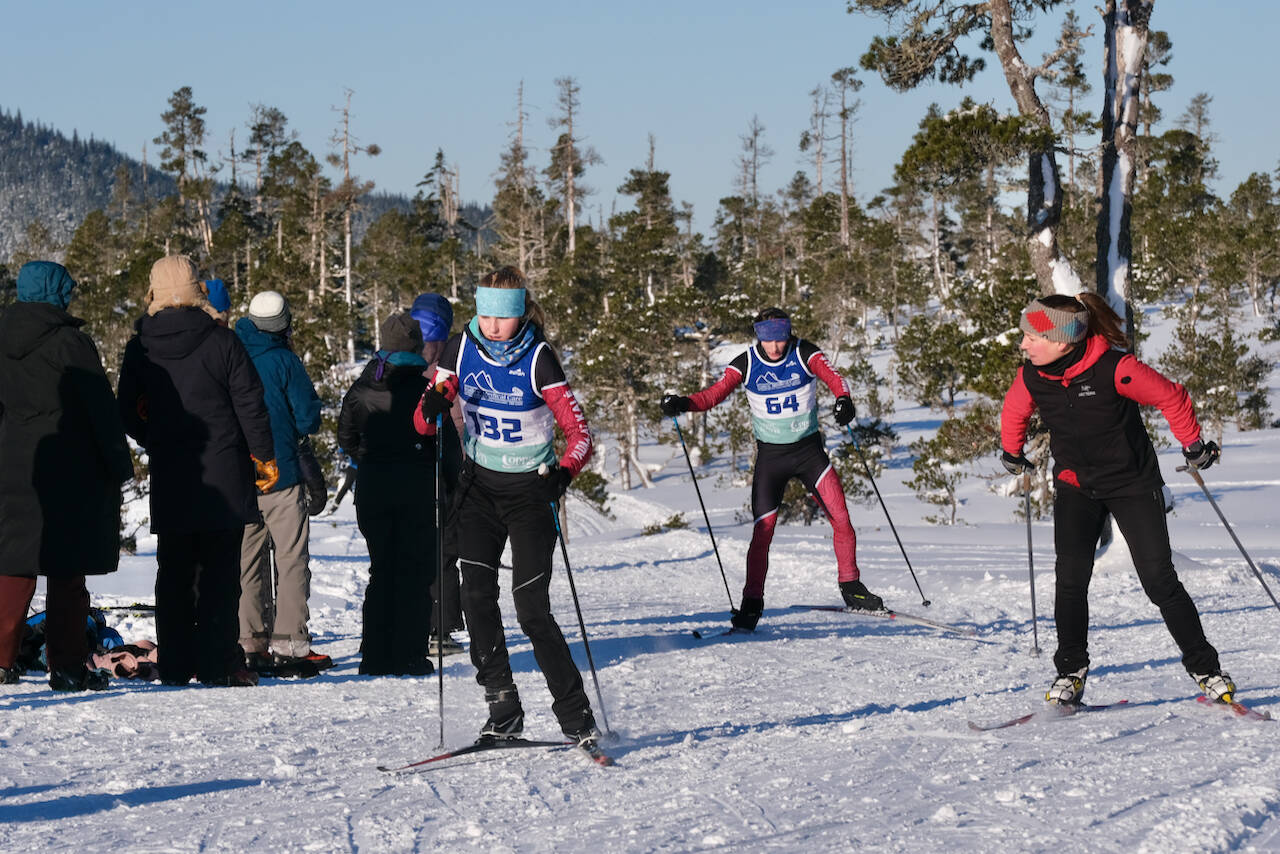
point(856, 595)
point(10, 675)
point(1068, 688)
point(83, 679)
point(447, 646)
point(506, 715)
point(582, 732)
point(747, 615)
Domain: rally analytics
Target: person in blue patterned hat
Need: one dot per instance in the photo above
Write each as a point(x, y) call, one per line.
point(779, 374)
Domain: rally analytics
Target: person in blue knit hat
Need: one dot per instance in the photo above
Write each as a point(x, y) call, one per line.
point(216, 290)
point(434, 314)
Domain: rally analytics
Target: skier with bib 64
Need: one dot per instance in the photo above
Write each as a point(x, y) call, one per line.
point(780, 374)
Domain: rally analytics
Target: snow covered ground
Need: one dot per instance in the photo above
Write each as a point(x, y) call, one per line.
point(821, 732)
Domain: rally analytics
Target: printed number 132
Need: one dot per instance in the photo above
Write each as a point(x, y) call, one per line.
point(506, 429)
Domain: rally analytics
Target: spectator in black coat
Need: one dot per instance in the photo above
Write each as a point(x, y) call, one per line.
point(394, 479)
point(190, 396)
point(63, 458)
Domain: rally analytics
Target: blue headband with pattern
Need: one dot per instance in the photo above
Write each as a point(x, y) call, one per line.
point(500, 302)
point(773, 329)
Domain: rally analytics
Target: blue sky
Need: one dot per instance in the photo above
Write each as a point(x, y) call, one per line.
point(430, 75)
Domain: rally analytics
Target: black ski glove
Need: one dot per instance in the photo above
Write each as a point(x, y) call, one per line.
point(1015, 463)
point(1201, 455)
point(433, 403)
point(844, 411)
point(674, 404)
point(555, 482)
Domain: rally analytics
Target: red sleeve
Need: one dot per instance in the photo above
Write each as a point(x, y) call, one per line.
point(1015, 415)
point(821, 368)
point(1148, 387)
point(715, 394)
point(568, 414)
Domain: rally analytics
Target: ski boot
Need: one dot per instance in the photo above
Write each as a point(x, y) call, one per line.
point(10, 675)
point(1217, 686)
point(746, 616)
point(857, 596)
point(583, 731)
point(506, 715)
point(1068, 688)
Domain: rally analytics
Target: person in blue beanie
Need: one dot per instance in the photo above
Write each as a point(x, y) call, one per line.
point(219, 299)
point(434, 314)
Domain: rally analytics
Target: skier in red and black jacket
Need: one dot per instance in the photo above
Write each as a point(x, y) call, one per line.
point(1088, 390)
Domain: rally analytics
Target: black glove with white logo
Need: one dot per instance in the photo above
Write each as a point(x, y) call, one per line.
point(1015, 463)
point(1201, 455)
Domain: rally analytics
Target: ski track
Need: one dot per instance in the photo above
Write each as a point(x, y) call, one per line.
point(820, 732)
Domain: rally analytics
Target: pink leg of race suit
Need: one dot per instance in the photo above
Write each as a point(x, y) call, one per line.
point(831, 496)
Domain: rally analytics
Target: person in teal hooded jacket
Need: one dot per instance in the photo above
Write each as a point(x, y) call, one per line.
point(283, 643)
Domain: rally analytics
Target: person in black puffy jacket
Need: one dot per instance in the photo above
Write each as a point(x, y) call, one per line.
point(63, 458)
point(395, 470)
point(189, 395)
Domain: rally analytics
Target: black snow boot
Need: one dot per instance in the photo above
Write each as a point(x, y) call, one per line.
point(506, 715)
point(10, 675)
point(747, 615)
point(856, 595)
point(83, 679)
point(582, 731)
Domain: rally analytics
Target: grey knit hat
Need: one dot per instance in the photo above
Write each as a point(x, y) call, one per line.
point(269, 311)
point(1056, 324)
point(401, 333)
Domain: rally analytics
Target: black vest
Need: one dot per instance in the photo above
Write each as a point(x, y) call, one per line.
point(1094, 431)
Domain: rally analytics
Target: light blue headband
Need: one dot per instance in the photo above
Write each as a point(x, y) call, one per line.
point(500, 302)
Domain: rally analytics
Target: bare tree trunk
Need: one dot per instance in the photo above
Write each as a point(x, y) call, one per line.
point(1123, 48)
point(1044, 193)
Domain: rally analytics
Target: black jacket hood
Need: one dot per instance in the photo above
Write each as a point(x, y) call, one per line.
point(24, 326)
point(175, 332)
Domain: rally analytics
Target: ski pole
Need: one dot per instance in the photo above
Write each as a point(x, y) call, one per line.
point(885, 507)
point(707, 518)
point(440, 632)
point(582, 626)
point(1031, 563)
point(1195, 474)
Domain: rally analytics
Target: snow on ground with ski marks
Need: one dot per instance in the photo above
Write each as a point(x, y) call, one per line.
point(821, 732)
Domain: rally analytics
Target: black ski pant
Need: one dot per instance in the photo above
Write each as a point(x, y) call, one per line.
point(498, 506)
point(400, 531)
point(197, 605)
point(1077, 522)
point(451, 579)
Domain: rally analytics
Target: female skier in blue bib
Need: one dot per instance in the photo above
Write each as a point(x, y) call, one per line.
point(779, 374)
point(513, 394)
